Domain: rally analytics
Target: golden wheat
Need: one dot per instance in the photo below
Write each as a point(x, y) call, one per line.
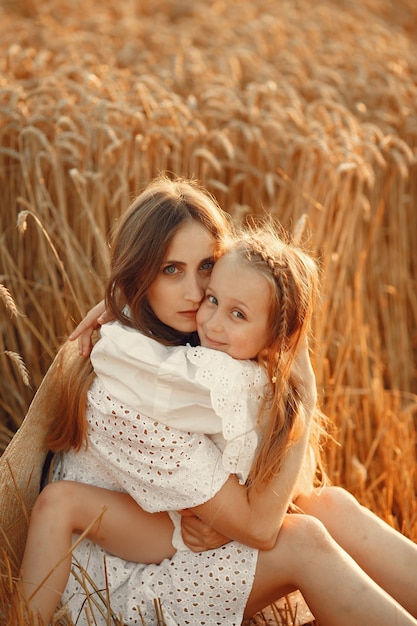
point(303, 110)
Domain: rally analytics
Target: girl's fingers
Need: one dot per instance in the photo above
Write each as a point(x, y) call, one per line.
point(90, 322)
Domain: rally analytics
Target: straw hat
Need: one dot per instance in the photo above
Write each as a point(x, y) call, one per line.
point(22, 462)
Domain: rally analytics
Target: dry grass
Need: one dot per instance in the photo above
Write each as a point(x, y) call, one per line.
point(292, 108)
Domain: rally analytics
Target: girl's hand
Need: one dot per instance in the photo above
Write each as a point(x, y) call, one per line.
point(95, 317)
point(199, 536)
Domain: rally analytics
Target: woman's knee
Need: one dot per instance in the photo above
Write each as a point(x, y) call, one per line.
point(305, 534)
point(302, 539)
point(328, 500)
point(338, 499)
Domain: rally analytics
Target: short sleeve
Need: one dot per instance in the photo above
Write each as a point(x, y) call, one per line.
point(193, 389)
point(162, 468)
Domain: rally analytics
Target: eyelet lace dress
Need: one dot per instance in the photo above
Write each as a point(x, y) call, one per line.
point(165, 469)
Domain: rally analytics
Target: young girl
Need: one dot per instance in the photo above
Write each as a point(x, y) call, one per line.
point(190, 591)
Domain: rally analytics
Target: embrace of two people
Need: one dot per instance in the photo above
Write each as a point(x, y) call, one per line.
point(188, 444)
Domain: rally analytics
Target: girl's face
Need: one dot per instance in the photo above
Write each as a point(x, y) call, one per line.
point(234, 315)
point(176, 293)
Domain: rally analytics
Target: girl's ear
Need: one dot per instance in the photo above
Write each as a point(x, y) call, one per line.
point(263, 355)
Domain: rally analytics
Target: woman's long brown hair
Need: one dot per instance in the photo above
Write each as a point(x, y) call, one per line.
point(139, 247)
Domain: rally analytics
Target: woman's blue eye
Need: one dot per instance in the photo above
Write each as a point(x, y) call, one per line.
point(170, 269)
point(212, 299)
point(207, 266)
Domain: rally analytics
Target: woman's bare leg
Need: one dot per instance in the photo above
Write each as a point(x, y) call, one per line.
point(383, 553)
point(116, 523)
point(337, 590)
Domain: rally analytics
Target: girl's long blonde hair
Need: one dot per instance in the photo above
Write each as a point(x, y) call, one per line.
point(294, 279)
point(139, 246)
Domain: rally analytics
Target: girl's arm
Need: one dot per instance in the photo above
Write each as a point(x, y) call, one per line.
point(95, 317)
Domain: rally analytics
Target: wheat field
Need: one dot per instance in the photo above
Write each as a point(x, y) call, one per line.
point(290, 107)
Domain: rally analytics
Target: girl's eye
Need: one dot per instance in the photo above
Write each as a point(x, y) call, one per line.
point(212, 299)
point(170, 269)
point(238, 314)
point(207, 266)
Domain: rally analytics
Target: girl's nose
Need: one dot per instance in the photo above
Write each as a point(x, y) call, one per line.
point(213, 322)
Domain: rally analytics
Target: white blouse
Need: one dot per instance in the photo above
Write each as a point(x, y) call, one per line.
point(193, 389)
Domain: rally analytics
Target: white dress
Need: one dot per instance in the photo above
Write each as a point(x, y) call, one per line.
point(164, 468)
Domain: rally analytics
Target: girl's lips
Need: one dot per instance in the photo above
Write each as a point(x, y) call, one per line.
point(210, 343)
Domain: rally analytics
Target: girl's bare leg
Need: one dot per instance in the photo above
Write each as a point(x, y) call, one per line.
point(337, 590)
point(385, 554)
point(64, 508)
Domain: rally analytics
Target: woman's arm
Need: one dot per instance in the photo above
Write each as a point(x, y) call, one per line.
point(254, 516)
point(251, 516)
point(199, 536)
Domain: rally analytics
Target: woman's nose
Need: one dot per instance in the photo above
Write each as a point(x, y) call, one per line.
point(194, 289)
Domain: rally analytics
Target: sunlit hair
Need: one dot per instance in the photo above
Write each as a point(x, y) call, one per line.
point(294, 279)
point(139, 246)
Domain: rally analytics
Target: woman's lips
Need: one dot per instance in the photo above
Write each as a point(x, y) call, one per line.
point(189, 314)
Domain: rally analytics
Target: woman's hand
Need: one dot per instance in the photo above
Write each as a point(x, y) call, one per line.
point(95, 317)
point(303, 377)
point(251, 515)
point(199, 536)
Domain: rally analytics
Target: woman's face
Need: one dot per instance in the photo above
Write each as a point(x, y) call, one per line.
point(176, 293)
